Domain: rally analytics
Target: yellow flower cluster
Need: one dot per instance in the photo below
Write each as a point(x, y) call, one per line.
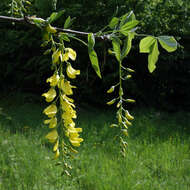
point(67, 106)
point(68, 115)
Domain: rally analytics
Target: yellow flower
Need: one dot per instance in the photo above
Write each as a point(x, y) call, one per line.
point(57, 154)
point(75, 141)
point(71, 73)
point(52, 136)
point(56, 55)
point(65, 57)
point(71, 53)
point(66, 87)
point(69, 122)
point(68, 115)
point(53, 80)
point(66, 98)
point(50, 111)
point(50, 95)
point(56, 146)
point(52, 122)
point(65, 103)
point(74, 130)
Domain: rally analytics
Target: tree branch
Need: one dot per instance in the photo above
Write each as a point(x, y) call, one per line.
point(11, 19)
point(28, 20)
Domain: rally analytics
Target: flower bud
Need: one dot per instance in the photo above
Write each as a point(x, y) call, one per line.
point(111, 89)
point(111, 102)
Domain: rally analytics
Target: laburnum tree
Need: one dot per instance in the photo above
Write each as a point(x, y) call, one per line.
point(61, 112)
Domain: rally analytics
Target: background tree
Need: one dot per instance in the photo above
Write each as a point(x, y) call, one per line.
point(167, 83)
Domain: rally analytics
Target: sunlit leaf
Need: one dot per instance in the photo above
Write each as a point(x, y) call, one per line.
point(113, 23)
point(168, 43)
point(129, 25)
point(92, 54)
point(54, 16)
point(68, 22)
point(146, 43)
point(153, 57)
point(127, 44)
point(116, 48)
point(127, 17)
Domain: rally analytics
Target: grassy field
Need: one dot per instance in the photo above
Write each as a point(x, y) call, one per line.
point(158, 156)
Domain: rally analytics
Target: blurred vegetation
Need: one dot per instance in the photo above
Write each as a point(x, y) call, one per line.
point(157, 157)
point(24, 67)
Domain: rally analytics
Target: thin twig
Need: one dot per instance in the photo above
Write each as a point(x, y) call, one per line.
point(28, 20)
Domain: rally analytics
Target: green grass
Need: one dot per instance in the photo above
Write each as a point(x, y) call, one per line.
point(158, 156)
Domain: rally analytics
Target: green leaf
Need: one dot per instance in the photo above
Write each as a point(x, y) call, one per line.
point(113, 23)
point(168, 43)
point(92, 54)
point(39, 22)
point(67, 22)
point(146, 43)
point(91, 41)
point(64, 37)
point(129, 25)
point(116, 48)
point(127, 44)
point(153, 56)
point(127, 17)
point(54, 16)
point(180, 2)
point(94, 61)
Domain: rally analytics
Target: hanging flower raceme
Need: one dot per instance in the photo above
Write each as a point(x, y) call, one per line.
point(61, 89)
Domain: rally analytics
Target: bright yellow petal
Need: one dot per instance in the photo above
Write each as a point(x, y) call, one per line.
point(75, 143)
point(76, 139)
point(78, 129)
point(65, 57)
point(56, 55)
point(53, 80)
point(47, 121)
point(53, 123)
point(50, 111)
point(57, 154)
point(50, 95)
point(52, 136)
point(64, 97)
point(66, 87)
point(56, 146)
point(72, 54)
point(71, 72)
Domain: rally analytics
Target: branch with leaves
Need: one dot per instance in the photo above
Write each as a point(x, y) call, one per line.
point(121, 31)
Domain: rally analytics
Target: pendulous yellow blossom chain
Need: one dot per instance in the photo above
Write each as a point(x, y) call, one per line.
point(61, 112)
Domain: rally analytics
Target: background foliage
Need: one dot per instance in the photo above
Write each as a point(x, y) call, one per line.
point(24, 67)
